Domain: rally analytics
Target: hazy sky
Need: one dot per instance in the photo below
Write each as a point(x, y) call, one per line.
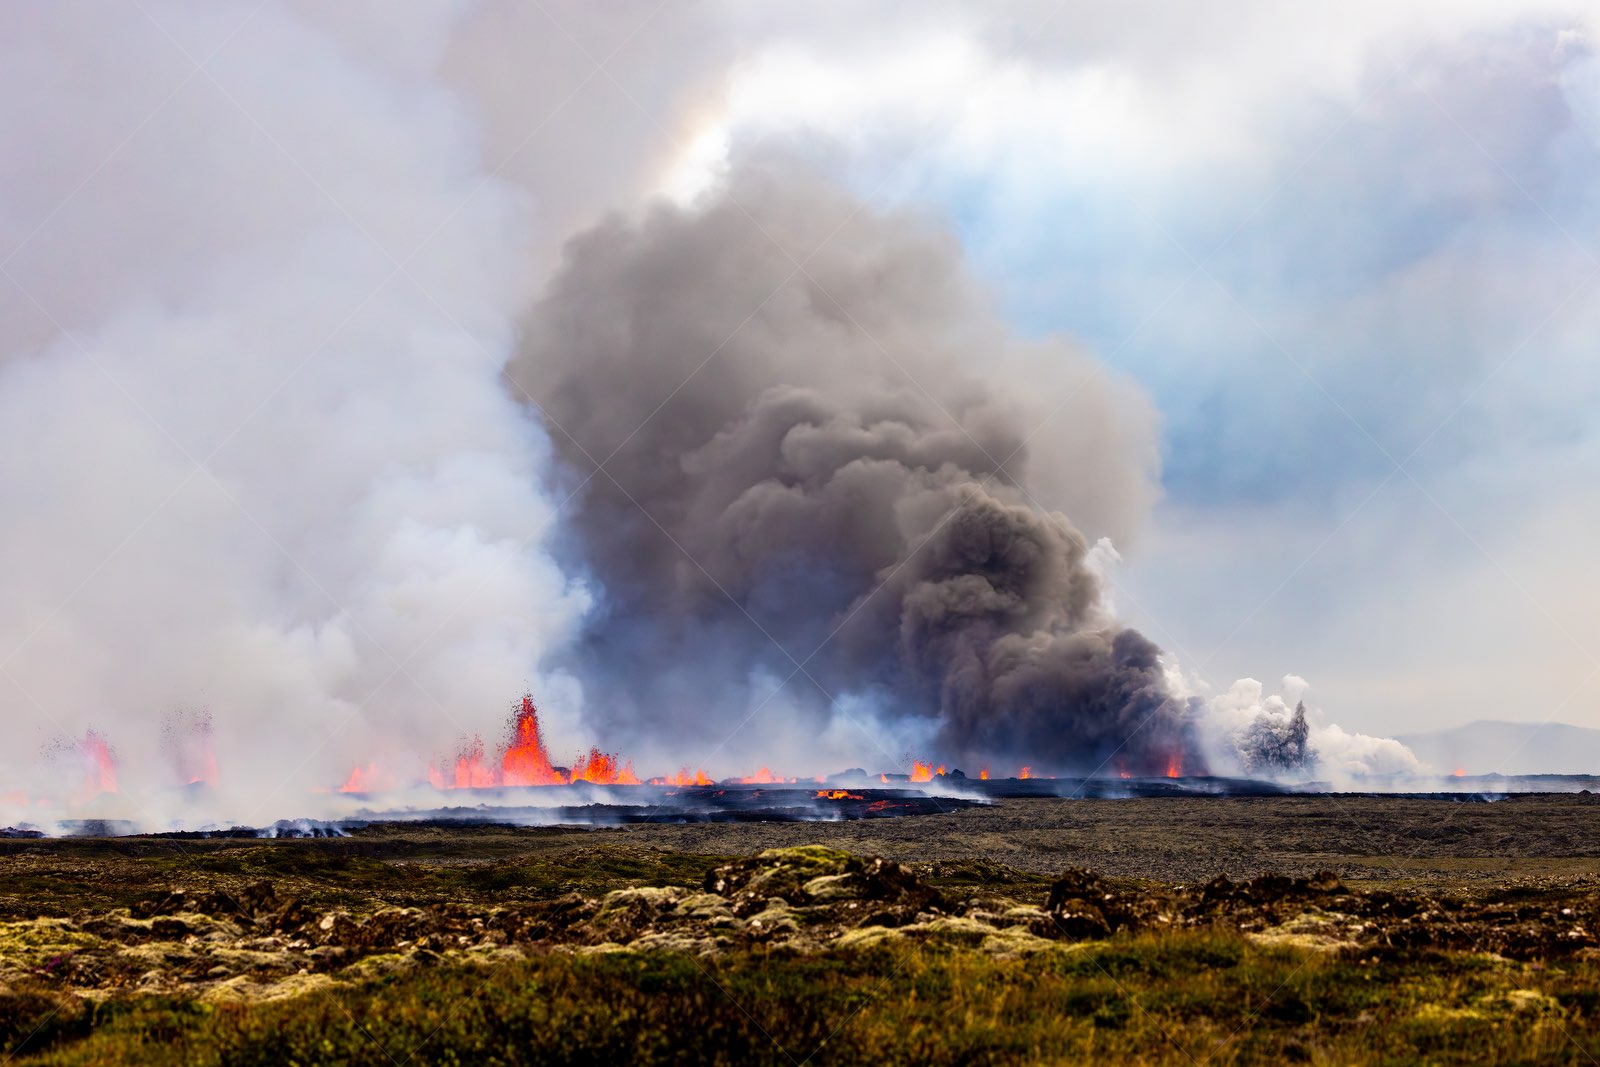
point(1352, 258)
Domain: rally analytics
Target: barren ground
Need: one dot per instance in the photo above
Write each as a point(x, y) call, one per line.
point(1342, 929)
point(1364, 839)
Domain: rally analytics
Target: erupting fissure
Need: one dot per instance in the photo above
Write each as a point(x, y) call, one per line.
point(683, 777)
point(522, 760)
point(102, 772)
point(525, 761)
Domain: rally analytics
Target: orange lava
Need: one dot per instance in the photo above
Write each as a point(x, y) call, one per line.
point(683, 777)
point(188, 737)
point(102, 773)
point(525, 761)
point(471, 772)
point(368, 779)
point(207, 774)
point(838, 794)
point(603, 768)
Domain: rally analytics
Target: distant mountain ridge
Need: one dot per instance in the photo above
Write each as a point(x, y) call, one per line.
point(1489, 746)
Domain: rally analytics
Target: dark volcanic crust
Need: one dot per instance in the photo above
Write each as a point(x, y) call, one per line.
point(1362, 838)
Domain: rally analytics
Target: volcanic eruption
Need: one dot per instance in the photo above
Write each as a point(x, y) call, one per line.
point(300, 426)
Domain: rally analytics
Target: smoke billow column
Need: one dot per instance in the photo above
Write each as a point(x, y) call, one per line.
point(808, 440)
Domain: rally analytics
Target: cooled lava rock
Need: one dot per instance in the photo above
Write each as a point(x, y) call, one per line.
point(813, 874)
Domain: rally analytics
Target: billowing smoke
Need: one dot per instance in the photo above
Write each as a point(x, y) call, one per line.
point(256, 449)
point(1245, 730)
point(1274, 745)
point(801, 447)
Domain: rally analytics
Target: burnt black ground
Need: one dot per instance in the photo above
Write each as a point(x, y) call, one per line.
point(1365, 839)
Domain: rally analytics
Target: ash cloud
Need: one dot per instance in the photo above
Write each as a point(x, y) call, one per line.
point(800, 446)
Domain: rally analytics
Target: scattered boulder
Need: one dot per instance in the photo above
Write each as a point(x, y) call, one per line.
point(626, 914)
point(552, 919)
point(774, 922)
point(813, 875)
point(334, 928)
point(167, 927)
point(1082, 907)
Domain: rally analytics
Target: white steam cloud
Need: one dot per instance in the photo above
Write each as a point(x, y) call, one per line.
point(1247, 731)
point(254, 445)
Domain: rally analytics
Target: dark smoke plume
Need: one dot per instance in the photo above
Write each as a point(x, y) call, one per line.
point(809, 452)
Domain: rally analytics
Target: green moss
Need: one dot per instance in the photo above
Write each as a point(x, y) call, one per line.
point(1154, 999)
point(940, 991)
point(41, 943)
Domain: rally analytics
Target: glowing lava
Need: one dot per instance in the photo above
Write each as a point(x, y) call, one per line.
point(187, 736)
point(603, 768)
point(525, 761)
point(102, 772)
point(368, 779)
point(471, 771)
point(207, 772)
point(683, 777)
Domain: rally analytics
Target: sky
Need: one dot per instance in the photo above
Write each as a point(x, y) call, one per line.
point(1351, 259)
point(267, 271)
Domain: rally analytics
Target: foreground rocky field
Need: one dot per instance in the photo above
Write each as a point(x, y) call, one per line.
point(1050, 931)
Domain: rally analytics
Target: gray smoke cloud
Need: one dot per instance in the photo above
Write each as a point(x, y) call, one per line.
point(802, 447)
point(1278, 745)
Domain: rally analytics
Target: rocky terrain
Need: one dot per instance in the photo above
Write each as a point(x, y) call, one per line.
point(260, 940)
point(92, 929)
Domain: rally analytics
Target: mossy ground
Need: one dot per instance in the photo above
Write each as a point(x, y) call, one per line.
point(1182, 998)
point(585, 978)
